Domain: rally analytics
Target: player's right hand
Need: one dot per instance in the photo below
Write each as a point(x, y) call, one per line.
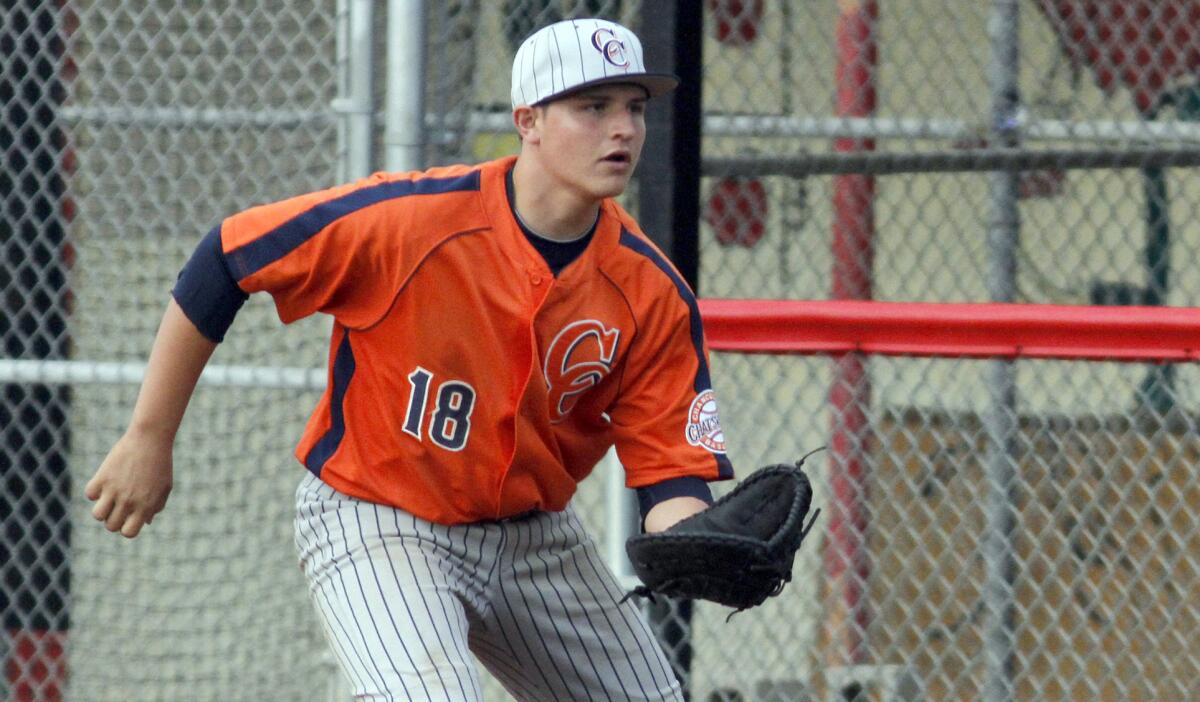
point(132, 484)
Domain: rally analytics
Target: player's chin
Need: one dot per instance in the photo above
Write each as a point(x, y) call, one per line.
point(610, 185)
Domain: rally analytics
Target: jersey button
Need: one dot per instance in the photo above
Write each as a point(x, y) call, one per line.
point(535, 278)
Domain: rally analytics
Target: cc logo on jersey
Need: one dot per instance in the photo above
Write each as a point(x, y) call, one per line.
point(610, 47)
point(577, 360)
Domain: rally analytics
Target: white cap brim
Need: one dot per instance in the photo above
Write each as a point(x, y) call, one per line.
point(655, 84)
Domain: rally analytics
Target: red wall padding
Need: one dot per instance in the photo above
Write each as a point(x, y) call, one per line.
point(976, 330)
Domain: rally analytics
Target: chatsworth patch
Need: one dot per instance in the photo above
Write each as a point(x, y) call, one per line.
point(704, 424)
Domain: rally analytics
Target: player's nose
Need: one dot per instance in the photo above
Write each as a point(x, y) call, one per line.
point(624, 124)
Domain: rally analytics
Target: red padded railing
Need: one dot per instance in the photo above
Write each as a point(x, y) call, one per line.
point(974, 330)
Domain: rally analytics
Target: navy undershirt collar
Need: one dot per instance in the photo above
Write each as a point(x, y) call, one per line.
point(557, 254)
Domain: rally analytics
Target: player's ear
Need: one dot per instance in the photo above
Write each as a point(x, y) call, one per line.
point(526, 119)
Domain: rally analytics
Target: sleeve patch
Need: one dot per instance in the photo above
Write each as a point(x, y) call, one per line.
point(704, 423)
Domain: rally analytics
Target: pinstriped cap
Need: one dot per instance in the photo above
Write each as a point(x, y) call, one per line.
point(576, 54)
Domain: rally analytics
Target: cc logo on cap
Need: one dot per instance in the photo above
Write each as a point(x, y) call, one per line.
point(610, 47)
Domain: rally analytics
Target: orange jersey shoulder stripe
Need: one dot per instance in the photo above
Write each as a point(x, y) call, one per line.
point(346, 250)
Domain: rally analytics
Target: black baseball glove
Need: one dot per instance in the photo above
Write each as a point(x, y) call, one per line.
point(739, 551)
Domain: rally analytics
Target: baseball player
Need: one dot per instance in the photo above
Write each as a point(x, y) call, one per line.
point(496, 328)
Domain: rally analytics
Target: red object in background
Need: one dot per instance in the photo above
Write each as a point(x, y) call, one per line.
point(1142, 44)
point(1041, 183)
point(36, 669)
point(953, 329)
point(847, 558)
point(737, 210)
point(1045, 183)
point(737, 21)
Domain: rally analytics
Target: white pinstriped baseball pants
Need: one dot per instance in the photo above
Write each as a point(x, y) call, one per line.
point(405, 602)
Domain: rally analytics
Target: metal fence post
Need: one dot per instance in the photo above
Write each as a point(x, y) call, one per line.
point(355, 103)
point(404, 120)
point(1000, 416)
point(669, 207)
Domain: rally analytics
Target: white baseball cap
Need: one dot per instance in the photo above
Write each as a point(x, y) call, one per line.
point(575, 54)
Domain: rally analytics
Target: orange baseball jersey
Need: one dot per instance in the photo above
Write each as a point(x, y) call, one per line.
point(466, 381)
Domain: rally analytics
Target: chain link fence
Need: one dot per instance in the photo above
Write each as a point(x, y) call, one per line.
point(1033, 151)
point(1097, 601)
point(131, 129)
point(991, 150)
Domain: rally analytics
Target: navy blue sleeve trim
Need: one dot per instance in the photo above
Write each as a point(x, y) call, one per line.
point(206, 290)
point(702, 381)
point(687, 486)
point(279, 242)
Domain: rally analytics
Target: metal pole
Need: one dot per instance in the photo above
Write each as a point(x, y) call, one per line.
point(1097, 132)
point(1156, 393)
point(846, 557)
point(668, 199)
point(621, 519)
point(976, 161)
point(354, 103)
point(669, 170)
point(1000, 418)
point(404, 128)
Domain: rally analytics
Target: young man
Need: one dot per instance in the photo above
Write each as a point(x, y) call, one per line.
point(496, 329)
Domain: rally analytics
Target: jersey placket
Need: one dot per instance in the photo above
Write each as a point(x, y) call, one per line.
point(541, 282)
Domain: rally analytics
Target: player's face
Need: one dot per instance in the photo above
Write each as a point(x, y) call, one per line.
point(592, 140)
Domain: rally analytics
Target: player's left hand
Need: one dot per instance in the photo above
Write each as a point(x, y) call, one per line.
point(739, 551)
point(670, 512)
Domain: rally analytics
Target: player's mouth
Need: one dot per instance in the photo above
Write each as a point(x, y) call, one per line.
point(618, 157)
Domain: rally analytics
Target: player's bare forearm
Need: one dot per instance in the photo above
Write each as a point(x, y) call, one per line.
point(135, 479)
point(177, 359)
point(667, 513)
